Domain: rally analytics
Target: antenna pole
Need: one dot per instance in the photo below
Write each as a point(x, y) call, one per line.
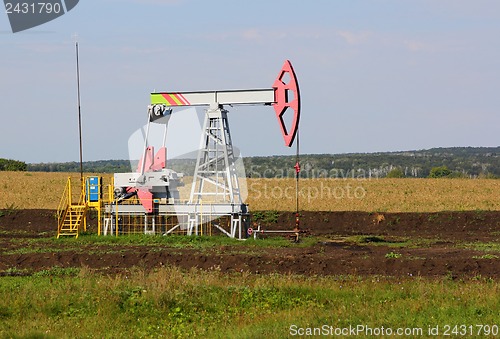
point(79, 113)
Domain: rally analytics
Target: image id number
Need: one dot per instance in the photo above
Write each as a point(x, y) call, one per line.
point(464, 330)
point(33, 8)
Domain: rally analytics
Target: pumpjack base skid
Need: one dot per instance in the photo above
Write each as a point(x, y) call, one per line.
point(215, 209)
point(192, 219)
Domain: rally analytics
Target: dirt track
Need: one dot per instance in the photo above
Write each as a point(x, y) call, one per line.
point(402, 244)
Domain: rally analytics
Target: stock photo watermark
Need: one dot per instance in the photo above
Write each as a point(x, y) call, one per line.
point(345, 186)
point(309, 193)
point(309, 171)
point(362, 330)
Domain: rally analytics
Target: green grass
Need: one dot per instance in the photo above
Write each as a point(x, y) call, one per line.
point(483, 246)
point(13, 271)
point(389, 241)
point(93, 244)
point(26, 250)
point(485, 256)
point(269, 217)
point(171, 303)
point(58, 272)
point(393, 255)
point(175, 241)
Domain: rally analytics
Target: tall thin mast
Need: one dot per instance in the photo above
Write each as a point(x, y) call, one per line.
point(79, 113)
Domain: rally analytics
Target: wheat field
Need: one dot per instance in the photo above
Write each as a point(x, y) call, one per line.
point(376, 195)
point(40, 190)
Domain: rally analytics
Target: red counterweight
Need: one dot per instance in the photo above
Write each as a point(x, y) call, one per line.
point(287, 96)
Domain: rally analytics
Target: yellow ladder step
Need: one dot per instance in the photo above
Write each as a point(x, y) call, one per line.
point(71, 221)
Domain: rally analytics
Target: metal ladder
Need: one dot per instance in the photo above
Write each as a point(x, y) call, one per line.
point(71, 222)
point(70, 216)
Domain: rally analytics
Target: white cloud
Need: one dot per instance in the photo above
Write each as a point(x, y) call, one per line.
point(251, 34)
point(134, 50)
point(254, 34)
point(417, 46)
point(355, 38)
point(158, 2)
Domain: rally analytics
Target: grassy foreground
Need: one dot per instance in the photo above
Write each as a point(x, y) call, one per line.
point(39, 190)
point(70, 303)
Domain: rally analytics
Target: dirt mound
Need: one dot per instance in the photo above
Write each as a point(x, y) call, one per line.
point(28, 222)
point(390, 244)
point(464, 226)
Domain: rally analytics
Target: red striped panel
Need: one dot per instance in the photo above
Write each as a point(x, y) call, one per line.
point(169, 99)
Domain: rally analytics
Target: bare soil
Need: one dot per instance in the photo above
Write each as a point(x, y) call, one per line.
point(348, 243)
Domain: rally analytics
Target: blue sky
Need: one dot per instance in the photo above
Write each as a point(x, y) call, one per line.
point(380, 75)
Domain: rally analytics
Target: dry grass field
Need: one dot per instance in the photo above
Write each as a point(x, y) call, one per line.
point(32, 190)
point(381, 195)
point(38, 190)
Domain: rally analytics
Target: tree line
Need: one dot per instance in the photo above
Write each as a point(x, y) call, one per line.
point(99, 166)
point(466, 162)
point(12, 165)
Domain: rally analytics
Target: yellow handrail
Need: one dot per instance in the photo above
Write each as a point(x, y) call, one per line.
point(83, 202)
point(65, 201)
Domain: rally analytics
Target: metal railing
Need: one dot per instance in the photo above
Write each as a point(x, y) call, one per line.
point(64, 202)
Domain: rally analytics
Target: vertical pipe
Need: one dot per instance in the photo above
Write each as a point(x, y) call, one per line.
point(143, 165)
point(165, 136)
point(70, 197)
point(297, 175)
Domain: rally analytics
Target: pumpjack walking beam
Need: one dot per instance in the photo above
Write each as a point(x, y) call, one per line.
point(283, 95)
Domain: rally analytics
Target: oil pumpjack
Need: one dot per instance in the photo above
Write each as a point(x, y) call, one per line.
point(215, 189)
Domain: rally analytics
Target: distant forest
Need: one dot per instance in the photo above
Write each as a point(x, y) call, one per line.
point(12, 165)
point(469, 162)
